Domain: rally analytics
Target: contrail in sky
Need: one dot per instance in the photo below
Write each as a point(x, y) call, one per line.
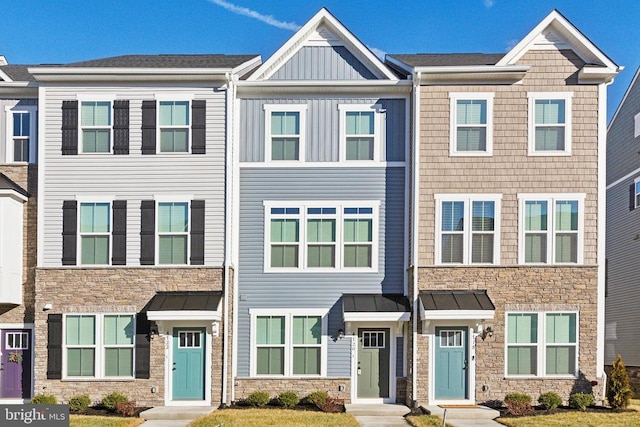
point(267, 19)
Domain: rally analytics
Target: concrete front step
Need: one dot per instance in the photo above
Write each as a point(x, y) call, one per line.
point(478, 413)
point(176, 412)
point(376, 410)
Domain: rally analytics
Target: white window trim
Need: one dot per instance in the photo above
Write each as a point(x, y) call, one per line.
point(99, 347)
point(541, 344)
point(636, 127)
point(636, 192)
point(551, 199)
point(289, 314)
point(379, 125)
point(169, 199)
point(463, 96)
point(303, 244)
point(468, 200)
point(84, 200)
point(100, 98)
point(275, 108)
point(533, 97)
point(188, 98)
point(32, 110)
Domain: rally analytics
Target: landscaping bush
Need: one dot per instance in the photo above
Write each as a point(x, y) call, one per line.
point(332, 405)
point(549, 400)
point(79, 403)
point(110, 400)
point(518, 404)
point(126, 409)
point(258, 398)
point(317, 398)
point(581, 400)
point(619, 391)
point(288, 399)
point(44, 399)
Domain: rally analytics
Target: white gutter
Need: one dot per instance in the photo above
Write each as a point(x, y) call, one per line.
point(325, 83)
point(44, 71)
point(234, 212)
point(415, 141)
point(462, 69)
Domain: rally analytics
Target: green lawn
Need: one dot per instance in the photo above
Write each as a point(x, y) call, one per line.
point(96, 421)
point(274, 417)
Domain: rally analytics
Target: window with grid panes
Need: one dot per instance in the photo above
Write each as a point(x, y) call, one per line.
point(321, 237)
point(285, 237)
point(173, 232)
point(358, 237)
point(360, 135)
point(285, 135)
point(96, 126)
point(95, 233)
point(174, 122)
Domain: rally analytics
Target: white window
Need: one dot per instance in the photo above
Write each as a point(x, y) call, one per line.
point(95, 122)
point(285, 132)
point(551, 228)
point(288, 343)
point(99, 345)
point(21, 134)
point(636, 186)
point(95, 233)
point(174, 122)
point(321, 236)
point(16, 341)
point(636, 127)
point(542, 344)
point(471, 132)
point(173, 233)
point(468, 229)
point(361, 130)
point(549, 123)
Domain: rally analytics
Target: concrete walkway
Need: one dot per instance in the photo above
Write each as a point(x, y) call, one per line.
point(378, 415)
point(173, 416)
point(466, 417)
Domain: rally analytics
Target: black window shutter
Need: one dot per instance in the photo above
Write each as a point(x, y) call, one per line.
point(121, 127)
point(69, 231)
point(143, 346)
point(198, 126)
point(54, 347)
point(69, 127)
point(632, 196)
point(197, 232)
point(148, 127)
point(119, 233)
point(147, 232)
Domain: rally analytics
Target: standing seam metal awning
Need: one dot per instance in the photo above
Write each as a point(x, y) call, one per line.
point(456, 304)
point(185, 305)
point(375, 307)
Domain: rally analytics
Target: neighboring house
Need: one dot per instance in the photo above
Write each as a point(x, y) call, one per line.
point(623, 232)
point(18, 181)
point(131, 219)
point(321, 155)
point(508, 256)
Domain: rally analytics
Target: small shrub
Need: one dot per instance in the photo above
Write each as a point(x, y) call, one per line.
point(79, 403)
point(518, 404)
point(619, 391)
point(332, 405)
point(44, 399)
point(110, 400)
point(317, 398)
point(581, 400)
point(126, 409)
point(549, 400)
point(288, 399)
point(258, 398)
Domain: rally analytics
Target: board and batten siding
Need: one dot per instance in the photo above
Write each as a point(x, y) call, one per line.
point(258, 289)
point(134, 177)
point(323, 63)
point(322, 138)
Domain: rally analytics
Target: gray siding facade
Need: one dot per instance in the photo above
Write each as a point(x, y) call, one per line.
point(323, 63)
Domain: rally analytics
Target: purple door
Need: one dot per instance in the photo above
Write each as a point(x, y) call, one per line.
point(15, 364)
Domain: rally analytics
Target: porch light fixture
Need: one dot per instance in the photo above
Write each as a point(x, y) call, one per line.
point(340, 333)
point(153, 331)
point(486, 332)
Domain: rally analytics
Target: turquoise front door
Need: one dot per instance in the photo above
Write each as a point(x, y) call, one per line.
point(373, 363)
point(188, 364)
point(451, 360)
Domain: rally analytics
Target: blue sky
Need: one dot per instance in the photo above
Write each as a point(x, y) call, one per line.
point(39, 31)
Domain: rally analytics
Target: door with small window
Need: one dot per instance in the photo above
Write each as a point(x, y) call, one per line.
point(373, 363)
point(451, 363)
point(188, 364)
point(15, 364)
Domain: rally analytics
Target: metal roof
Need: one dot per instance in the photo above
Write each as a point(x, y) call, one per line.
point(189, 300)
point(371, 303)
point(456, 300)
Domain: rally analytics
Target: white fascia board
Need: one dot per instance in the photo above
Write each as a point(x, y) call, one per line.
point(184, 315)
point(19, 89)
point(476, 74)
point(247, 66)
point(4, 76)
point(325, 86)
point(589, 74)
point(53, 74)
point(400, 316)
point(14, 195)
point(624, 98)
point(405, 67)
point(456, 314)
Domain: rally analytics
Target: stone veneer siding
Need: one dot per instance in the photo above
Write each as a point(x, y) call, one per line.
point(302, 386)
point(519, 289)
point(109, 290)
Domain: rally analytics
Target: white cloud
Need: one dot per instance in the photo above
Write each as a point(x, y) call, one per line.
point(489, 3)
point(267, 19)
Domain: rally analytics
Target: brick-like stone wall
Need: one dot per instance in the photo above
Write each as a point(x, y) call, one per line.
point(109, 290)
point(302, 386)
point(519, 289)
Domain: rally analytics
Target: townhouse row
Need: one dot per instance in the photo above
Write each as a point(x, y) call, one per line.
point(192, 228)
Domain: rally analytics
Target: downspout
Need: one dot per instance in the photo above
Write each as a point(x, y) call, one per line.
point(415, 149)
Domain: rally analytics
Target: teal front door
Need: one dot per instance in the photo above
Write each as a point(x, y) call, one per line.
point(188, 364)
point(451, 360)
point(373, 363)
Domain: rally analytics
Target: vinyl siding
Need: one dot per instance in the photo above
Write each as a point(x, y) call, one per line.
point(622, 147)
point(133, 177)
point(5, 132)
point(258, 289)
point(323, 63)
point(322, 138)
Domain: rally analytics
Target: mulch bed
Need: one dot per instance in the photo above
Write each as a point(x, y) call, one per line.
point(104, 412)
point(274, 405)
point(563, 409)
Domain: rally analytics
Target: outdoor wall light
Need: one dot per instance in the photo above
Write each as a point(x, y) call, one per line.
point(47, 306)
point(340, 333)
point(487, 332)
point(153, 331)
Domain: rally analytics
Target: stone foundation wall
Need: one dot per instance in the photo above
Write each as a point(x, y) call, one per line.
point(113, 290)
point(401, 390)
point(302, 386)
